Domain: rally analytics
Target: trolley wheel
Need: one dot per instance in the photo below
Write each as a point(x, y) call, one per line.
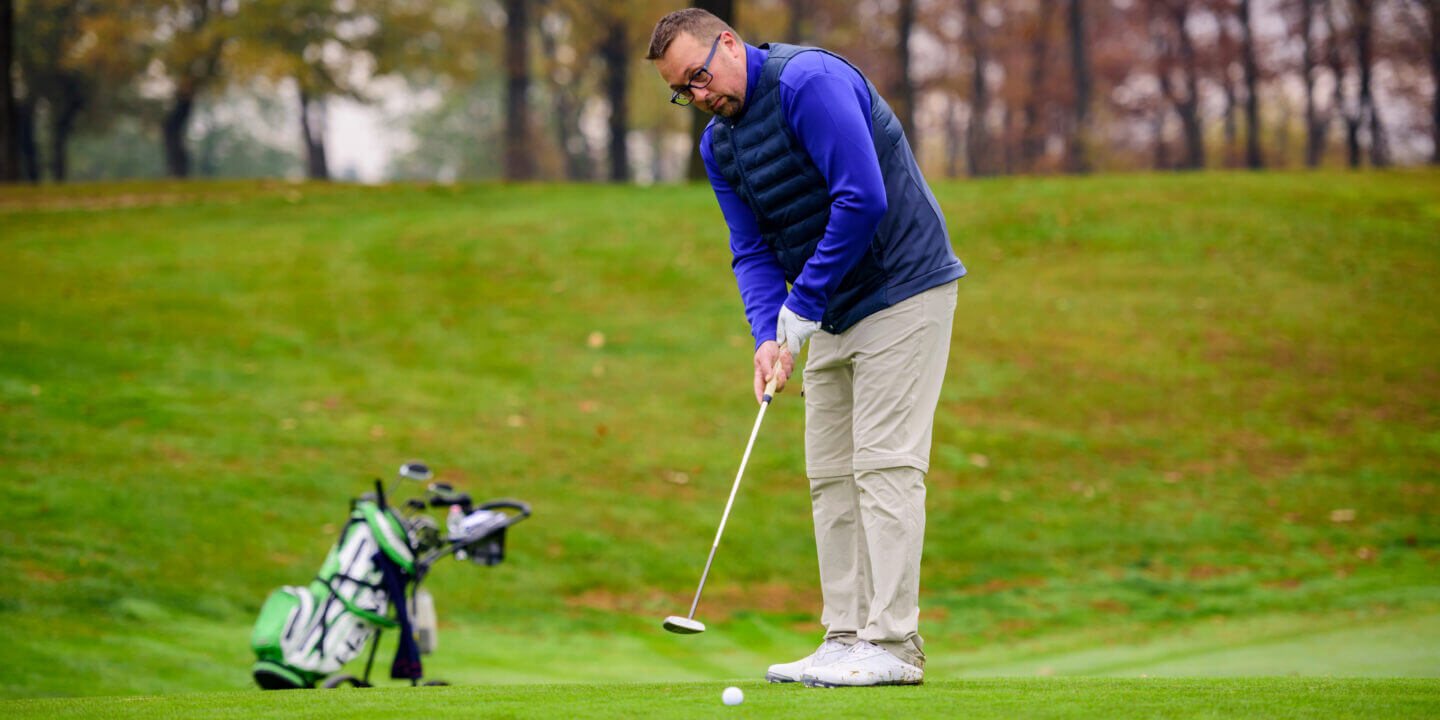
point(335, 681)
point(435, 682)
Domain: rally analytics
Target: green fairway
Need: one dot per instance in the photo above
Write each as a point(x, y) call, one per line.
point(1191, 427)
point(1070, 698)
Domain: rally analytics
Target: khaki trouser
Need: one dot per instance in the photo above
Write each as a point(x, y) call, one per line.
point(870, 397)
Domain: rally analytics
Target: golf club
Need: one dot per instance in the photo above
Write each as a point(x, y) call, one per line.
point(688, 625)
point(414, 471)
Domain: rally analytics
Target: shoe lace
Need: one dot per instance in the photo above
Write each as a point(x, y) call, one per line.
point(863, 647)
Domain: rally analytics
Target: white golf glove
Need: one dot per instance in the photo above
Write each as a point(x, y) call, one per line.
point(792, 331)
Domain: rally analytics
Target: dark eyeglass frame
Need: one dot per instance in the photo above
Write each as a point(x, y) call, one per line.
point(684, 96)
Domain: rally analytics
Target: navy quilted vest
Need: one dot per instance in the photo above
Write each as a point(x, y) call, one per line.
point(769, 168)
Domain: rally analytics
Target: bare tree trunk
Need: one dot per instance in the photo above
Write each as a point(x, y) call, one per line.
point(616, 56)
point(954, 140)
point(1176, 13)
point(1079, 161)
point(312, 136)
point(904, 105)
point(1336, 62)
point(27, 154)
point(977, 141)
point(1364, 19)
point(1434, 6)
point(567, 115)
point(193, 77)
point(9, 121)
point(1007, 137)
point(795, 31)
point(1352, 142)
point(1032, 143)
point(177, 119)
point(1157, 131)
point(1190, 110)
point(1230, 127)
point(519, 154)
point(1279, 156)
point(1314, 126)
point(1253, 158)
point(725, 10)
point(62, 123)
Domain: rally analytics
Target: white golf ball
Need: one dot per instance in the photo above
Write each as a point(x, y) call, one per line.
point(732, 696)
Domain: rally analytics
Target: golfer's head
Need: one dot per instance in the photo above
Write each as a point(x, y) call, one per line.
point(702, 59)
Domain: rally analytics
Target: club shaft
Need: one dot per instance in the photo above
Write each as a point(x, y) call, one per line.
point(734, 489)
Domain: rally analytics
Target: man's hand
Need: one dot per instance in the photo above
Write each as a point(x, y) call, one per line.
point(792, 331)
point(765, 362)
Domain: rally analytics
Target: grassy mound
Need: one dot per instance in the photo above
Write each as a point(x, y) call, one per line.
point(1171, 400)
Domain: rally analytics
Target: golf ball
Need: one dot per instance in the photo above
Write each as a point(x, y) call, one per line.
point(732, 696)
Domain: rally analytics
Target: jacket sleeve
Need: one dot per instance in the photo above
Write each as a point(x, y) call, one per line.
point(757, 272)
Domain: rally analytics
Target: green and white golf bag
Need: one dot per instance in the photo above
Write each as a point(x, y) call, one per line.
point(305, 633)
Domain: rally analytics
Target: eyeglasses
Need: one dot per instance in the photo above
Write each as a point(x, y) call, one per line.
point(699, 80)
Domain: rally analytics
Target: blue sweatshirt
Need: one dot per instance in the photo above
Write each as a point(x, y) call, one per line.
point(827, 104)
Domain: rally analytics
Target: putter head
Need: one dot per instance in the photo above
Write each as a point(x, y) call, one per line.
point(684, 625)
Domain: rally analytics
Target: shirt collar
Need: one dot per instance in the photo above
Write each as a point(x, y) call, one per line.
point(754, 64)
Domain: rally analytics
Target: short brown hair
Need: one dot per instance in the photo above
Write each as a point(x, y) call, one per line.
point(701, 24)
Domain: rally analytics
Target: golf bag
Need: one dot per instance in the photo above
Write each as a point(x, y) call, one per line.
point(306, 633)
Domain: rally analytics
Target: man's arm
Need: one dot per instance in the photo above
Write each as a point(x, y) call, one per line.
point(758, 273)
point(828, 107)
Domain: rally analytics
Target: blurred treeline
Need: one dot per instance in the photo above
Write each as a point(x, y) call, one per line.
point(559, 89)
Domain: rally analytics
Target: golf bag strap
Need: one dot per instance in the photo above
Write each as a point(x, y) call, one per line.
point(407, 654)
point(354, 609)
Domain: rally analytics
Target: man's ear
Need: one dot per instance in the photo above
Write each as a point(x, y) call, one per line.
point(732, 44)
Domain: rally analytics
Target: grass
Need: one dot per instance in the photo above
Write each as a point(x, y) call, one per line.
point(1176, 405)
point(994, 698)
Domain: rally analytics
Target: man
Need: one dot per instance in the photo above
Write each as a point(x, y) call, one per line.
point(820, 190)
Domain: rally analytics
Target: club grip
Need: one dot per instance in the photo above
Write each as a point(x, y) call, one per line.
point(774, 377)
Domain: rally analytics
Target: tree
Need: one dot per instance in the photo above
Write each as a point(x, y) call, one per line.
point(616, 53)
point(315, 43)
point(1226, 55)
point(1363, 19)
point(977, 141)
point(1176, 54)
point(9, 139)
point(567, 83)
point(904, 94)
point(1425, 35)
point(725, 10)
point(1033, 137)
point(1316, 124)
point(519, 152)
point(186, 41)
point(1434, 7)
point(1253, 160)
point(74, 60)
point(1334, 59)
point(796, 27)
point(1362, 117)
point(1079, 155)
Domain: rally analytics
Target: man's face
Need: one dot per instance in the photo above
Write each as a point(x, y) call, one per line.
point(725, 95)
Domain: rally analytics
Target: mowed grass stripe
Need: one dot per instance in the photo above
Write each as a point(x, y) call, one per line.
point(1231, 699)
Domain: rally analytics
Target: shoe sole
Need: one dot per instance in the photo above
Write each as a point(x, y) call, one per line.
point(772, 677)
point(815, 683)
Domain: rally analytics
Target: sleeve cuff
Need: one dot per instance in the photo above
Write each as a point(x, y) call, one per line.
point(804, 307)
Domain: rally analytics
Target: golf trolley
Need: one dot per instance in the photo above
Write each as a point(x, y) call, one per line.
point(305, 635)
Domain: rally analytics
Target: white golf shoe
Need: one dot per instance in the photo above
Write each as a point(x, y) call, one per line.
point(828, 652)
point(865, 664)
